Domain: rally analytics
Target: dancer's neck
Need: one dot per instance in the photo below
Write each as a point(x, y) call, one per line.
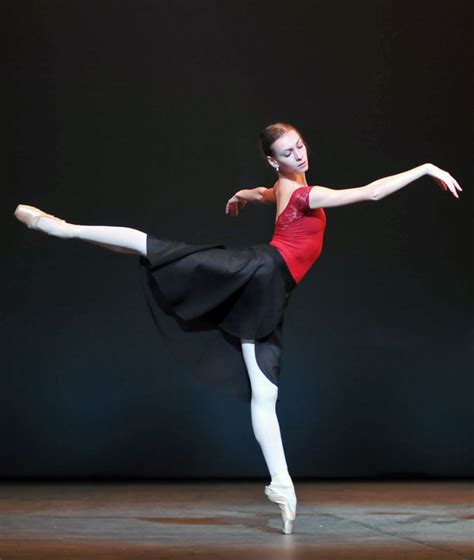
point(298, 179)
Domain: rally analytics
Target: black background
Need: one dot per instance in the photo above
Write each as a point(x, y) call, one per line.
point(145, 114)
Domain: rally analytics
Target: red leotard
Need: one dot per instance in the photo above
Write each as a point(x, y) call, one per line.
point(299, 233)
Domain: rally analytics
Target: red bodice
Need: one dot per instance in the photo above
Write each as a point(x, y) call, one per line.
point(299, 233)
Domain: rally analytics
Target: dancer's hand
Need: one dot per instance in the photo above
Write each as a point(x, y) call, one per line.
point(444, 179)
point(236, 203)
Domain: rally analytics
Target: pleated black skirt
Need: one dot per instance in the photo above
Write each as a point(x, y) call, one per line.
point(205, 298)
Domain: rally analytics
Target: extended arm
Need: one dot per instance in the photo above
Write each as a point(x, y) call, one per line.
point(241, 198)
point(322, 197)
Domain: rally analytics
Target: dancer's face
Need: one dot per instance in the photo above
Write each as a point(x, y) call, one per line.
point(289, 152)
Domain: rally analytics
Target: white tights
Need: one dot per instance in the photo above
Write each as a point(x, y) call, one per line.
point(118, 239)
point(264, 419)
point(264, 393)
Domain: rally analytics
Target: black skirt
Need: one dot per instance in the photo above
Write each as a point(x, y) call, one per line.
point(205, 298)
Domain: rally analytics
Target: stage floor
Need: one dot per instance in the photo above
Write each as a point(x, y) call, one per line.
point(234, 520)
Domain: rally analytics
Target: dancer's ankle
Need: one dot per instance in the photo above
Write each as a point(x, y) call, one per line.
point(75, 231)
point(282, 478)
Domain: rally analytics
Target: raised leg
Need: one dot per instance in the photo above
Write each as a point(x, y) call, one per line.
point(116, 238)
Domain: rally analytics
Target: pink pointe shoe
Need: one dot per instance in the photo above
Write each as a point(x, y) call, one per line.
point(283, 496)
point(36, 219)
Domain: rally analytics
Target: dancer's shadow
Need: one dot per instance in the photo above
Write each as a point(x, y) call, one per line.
point(258, 521)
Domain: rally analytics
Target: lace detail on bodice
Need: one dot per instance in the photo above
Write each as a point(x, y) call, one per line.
point(297, 204)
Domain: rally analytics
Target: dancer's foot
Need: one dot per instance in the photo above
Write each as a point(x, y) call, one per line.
point(285, 497)
point(34, 218)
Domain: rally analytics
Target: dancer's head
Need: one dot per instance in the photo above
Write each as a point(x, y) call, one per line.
point(284, 148)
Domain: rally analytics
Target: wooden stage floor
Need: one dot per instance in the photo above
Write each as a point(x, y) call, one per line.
point(234, 520)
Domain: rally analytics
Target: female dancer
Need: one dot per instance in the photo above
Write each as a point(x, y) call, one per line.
point(221, 309)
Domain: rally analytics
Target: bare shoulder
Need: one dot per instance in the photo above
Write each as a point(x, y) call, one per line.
point(316, 196)
point(283, 193)
point(269, 195)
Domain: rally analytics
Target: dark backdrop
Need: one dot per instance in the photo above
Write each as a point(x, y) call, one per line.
point(145, 114)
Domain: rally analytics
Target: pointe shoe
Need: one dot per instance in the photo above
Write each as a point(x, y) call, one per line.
point(36, 219)
point(281, 495)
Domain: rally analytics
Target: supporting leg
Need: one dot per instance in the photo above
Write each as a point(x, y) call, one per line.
point(267, 432)
point(263, 412)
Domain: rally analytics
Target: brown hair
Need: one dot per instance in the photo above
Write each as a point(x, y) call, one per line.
point(271, 133)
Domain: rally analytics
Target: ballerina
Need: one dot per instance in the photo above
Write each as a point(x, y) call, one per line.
point(221, 309)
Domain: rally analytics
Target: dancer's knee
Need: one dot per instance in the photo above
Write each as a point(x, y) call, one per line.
point(116, 238)
point(265, 394)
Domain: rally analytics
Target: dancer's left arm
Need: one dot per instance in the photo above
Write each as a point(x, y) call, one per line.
point(323, 197)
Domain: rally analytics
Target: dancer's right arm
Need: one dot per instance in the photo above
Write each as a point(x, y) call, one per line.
point(240, 199)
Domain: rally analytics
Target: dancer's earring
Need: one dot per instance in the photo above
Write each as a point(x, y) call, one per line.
point(277, 168)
